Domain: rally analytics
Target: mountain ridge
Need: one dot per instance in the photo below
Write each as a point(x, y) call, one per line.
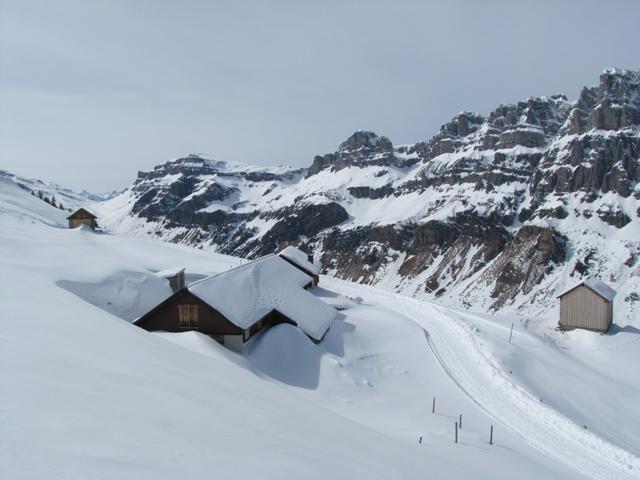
point(490, 213)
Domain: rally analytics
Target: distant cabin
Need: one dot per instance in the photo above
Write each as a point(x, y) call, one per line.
point(587, 305)
point(302, 261)
point(82, 217)
point(235, 305)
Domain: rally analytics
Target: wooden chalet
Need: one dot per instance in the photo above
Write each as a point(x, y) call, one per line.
point(185, 311)
point(83, 216)
point(235, 305)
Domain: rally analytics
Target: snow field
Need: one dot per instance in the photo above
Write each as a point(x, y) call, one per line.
point(455, 343)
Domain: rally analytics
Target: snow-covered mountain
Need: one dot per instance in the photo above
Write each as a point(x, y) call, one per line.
point(492, 213)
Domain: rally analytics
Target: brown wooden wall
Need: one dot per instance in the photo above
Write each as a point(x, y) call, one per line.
point(165, 317)
point(75, 222)
point(582, 308)
point(271, 319)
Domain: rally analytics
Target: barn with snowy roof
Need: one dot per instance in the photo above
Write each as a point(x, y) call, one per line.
point(587, 305)
point(235, 305)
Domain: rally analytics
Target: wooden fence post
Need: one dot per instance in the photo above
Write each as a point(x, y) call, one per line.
point(460, 421)
point(511, 333)
point(420, 441)
point(433, 407)
point(456, 432)
point(491, 436)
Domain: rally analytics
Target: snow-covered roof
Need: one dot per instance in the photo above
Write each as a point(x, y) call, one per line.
point(300, 258)
point(597, 285)
point(170, 272)
point(247, 293)
point(82, 209)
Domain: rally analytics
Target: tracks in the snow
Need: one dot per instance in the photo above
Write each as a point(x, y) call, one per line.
point(470, 367)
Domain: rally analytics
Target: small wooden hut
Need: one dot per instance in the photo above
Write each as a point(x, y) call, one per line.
point(82, 216)
point(587, 305)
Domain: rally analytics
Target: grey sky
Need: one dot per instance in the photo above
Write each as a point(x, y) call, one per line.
point(92, 91)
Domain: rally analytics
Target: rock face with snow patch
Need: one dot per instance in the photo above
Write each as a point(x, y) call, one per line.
point(495, 212)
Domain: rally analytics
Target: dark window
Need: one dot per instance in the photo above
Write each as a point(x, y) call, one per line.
point(188, 316)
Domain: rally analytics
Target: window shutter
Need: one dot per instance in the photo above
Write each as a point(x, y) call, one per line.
point(184, 316)
point(188, 315)
point(195, 321)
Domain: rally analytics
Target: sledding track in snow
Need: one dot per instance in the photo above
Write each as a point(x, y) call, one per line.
point(472, 368)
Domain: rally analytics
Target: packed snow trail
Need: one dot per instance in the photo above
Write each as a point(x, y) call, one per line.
point(475, 372)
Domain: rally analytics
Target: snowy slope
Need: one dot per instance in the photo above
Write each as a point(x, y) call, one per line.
point(69, 199)
point(545, 386)
point(14, 201)
point(85, 394)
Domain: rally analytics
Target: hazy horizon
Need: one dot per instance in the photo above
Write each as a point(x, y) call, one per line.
point(92, 93)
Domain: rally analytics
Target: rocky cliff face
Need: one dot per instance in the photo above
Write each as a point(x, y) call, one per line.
point(492, 213)
point(359, 150)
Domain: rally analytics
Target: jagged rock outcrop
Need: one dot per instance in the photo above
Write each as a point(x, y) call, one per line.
point(360, 149)
point(303, 221)
point(522, 264)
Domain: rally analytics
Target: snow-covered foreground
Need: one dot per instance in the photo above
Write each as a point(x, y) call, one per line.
point(553, 400)
point(85, 394)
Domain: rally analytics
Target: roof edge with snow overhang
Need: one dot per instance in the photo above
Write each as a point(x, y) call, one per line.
point(80, 210)
point(170, 272)
point(247, 293)
point(597, 286)
point(301, 259)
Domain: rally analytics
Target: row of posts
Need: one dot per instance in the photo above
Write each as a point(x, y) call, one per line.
point(458, 425)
